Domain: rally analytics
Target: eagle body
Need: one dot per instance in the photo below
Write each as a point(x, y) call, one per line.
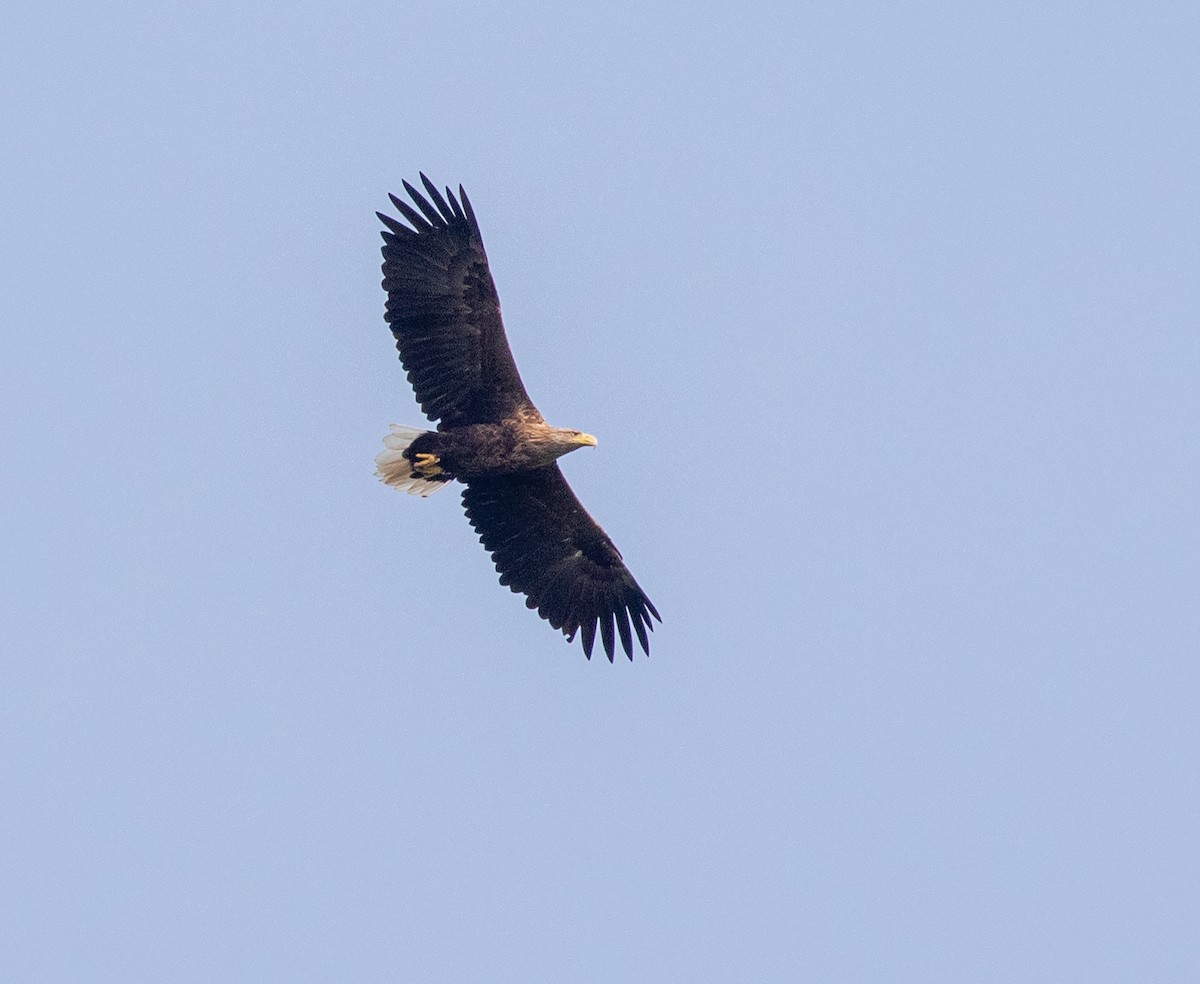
point(444, 313)
point(477, 450)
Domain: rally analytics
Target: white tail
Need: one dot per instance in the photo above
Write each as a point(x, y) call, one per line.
point(395, 470)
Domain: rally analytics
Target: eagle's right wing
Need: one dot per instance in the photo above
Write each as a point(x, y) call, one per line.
point(444, 311)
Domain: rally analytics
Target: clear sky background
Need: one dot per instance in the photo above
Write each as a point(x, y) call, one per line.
point(886, 317)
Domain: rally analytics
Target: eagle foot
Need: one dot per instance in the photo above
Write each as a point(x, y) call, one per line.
point(427, 465)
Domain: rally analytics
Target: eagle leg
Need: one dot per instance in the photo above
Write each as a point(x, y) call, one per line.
point(427, 465)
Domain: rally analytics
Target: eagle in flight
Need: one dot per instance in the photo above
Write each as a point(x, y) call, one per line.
point(443, 309)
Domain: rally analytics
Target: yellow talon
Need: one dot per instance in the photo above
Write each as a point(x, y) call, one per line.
point(427, 465)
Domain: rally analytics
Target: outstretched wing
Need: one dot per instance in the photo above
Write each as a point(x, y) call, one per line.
point(443, 309)
point(546, 546)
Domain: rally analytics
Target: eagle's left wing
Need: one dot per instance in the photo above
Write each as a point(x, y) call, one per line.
point(547, 547)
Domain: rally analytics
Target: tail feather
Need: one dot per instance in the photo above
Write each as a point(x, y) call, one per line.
point(395, 470)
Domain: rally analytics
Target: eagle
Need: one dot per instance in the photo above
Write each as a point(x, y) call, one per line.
point(444, 312)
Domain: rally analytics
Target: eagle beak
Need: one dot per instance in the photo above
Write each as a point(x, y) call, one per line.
point(586, 440)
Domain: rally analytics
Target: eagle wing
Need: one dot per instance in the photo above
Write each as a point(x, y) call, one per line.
point(546, 546)
point(444, 311)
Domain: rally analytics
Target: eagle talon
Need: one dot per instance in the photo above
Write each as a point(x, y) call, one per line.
point(427, 465)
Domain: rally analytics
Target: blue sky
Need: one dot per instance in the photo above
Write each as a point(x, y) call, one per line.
point(885, 316)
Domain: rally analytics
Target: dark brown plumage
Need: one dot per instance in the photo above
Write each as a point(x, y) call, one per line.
point(443, 309)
